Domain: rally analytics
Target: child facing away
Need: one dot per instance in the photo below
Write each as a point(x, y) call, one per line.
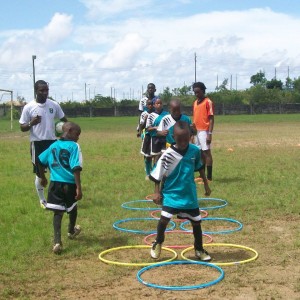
point(64, 159)
point(175, 184)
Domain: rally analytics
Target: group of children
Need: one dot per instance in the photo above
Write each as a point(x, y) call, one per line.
point(167, 141)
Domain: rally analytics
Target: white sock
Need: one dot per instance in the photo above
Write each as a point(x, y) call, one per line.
point(40, 190)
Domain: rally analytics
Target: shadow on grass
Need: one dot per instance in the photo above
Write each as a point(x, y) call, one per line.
point(229, 179)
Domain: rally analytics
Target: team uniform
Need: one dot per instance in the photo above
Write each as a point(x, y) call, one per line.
point(143, 102)
point(201, 113)
point(175, 169)
point(42, 135)
point(62, 158)
point(146, 138)
point(158, 143)
point(168, 122)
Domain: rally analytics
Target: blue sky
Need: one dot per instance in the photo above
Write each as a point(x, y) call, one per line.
point(125, 44)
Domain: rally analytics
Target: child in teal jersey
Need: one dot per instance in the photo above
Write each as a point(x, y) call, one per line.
point(64, 159)
point(174, 179)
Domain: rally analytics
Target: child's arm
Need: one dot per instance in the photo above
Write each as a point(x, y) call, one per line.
point(43, 179)
point(78, 185)
point(157, 195)
point(205, 182)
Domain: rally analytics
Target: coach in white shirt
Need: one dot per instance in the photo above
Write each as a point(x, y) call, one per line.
point(38, 117)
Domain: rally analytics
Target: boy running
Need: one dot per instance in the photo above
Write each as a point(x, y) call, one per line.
point(64, 159)
point(174, 183)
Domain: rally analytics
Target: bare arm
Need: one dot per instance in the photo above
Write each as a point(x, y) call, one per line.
point(43, 179)
point(34, 121)
point(210, 129)
point(78, 185)
point(157, 196)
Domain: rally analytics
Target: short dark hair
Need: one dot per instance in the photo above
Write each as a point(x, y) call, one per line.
point(37, 83)
point(199, 85)
point(151, 84)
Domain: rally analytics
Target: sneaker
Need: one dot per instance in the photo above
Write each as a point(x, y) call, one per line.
point(57, 248)
point(155, 250)
point(202, 255)
point(77, 230)
point(147, 177)
point(43, 204)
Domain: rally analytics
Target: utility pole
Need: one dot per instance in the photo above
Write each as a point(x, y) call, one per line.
point(275, 72)
point(33, 74)
point(195, 58)
point(231, 82)
point(236, 82)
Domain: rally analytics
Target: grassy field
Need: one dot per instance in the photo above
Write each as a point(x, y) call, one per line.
point(256, 168)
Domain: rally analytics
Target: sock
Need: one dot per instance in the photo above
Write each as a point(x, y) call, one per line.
point(39, 189)
point(148, 166)
point(72, 220)
point(161, 228)
point(197, 232)
point(57, 217)
point(209, 172)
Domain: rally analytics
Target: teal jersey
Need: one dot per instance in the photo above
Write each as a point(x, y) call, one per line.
point(175, 169)
point(63, 157)
point(154, 120)
point(168, 122)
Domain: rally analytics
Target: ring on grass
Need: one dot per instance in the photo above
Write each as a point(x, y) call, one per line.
point(137, 231)
point(184, 287)
point(240, 225)
point(127, 205)
point(222, 202)
point(176, 246)
point(129, 264)
point(226, 245)
point(152, 214)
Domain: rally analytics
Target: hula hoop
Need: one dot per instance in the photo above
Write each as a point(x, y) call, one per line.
point(176, 246)
point(125, 205)
point(116, 225)
point(184, 287)
point(182, 225)
point(197, 179)
point(222, 201)
point(224, 263)
point(152, 214)
point(111, 262)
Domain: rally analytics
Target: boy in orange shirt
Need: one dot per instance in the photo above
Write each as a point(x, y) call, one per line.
point(203, 115)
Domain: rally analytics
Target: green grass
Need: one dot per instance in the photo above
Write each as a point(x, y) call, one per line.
point(256, 168)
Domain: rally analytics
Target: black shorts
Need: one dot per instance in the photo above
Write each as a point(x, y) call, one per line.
point(36, 148)
point(158, 145)
point(146, 146)
point(190, 214)
point(61, 196)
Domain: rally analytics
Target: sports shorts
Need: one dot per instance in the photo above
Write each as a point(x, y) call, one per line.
point(190, 214)
point(158, 145)
point(146, 146)
point(200, 140)
point(61, 196)
point(36, 148)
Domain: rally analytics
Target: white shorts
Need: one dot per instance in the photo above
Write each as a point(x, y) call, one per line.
point(200, 140)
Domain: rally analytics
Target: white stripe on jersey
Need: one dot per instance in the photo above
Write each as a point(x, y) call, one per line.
point(166, 122)
point(143, 117)
point(151, 119)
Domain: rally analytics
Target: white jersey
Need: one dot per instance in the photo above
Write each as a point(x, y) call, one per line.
point(48, 112)
point(142, 103)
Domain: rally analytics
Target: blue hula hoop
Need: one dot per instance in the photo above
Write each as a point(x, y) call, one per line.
point(184, 287)
point(125, 205)
point(116, 225)
point(182, 225)
point(222, 201)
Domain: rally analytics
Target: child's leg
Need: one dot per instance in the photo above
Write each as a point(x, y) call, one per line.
point(40, 191)
point(72, 220)
point(57, 218)
point(161, 228)
point(148, 165)
point(197, 232)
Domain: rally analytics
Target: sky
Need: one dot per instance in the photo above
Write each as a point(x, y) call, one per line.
point(116, 47)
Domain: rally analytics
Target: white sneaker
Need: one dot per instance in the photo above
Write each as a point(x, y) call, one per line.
point(77, 230)
point(155, 250)
point(57, 248)
point(43, 204)
point(202, 255)
point(147, 177)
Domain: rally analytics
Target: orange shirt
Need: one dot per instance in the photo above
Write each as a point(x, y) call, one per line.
point(201, 112)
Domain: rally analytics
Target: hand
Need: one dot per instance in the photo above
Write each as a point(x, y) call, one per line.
point(138, 134)
point(208, 139)
point(35, 120)
point(164, 132)
point(43, 181)
point(78, 194)
point(157, 198)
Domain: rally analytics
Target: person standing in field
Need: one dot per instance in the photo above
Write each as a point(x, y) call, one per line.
point(38, 117)
point(175, 187)
point(158, 143)
point(203, 122)
point(150, 95)
point(64, 159)
point(146, 138)
point(166, 126)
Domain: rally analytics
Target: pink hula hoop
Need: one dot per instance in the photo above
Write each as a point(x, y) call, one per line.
point(210, 239)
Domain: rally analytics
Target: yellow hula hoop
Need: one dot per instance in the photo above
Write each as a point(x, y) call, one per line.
point(111, 262)
point(226, 245)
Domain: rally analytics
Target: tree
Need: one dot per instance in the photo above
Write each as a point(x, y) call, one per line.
point(274, 84)
point(258, 79)
point(289, 83)
point(223, 85)
point(166, 95)
point(296, 84)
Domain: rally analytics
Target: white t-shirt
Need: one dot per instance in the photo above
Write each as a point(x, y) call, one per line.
point(49, 111)
point(142, 103)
